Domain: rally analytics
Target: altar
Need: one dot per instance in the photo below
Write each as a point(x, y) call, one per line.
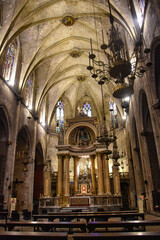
point(81, 200)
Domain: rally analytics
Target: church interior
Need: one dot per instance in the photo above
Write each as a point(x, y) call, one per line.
point(79, 106)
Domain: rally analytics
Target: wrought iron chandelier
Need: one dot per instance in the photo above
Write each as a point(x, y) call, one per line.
point(118, 64)
point(105, 138)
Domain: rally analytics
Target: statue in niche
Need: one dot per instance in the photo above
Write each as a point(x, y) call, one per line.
point(83, 138)
point(81, 111)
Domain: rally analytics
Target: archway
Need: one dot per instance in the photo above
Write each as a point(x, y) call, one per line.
point(20, 176)
point(152, 152)
point(3, 150)
point(38, 175)
point(125, 194)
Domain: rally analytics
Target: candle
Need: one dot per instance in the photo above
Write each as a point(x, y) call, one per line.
point(91, 45)
point(102, 37)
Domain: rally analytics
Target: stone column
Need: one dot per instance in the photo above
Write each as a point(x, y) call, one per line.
point(47, 184)
point(116, 178)
point(66, 175)
point(100, 175)
point(47, 178)
point(60, 176)
point(107, 185)
point(75, 174)
point(92, 159)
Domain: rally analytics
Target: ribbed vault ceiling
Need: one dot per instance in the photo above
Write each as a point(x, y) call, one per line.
point(48, 45)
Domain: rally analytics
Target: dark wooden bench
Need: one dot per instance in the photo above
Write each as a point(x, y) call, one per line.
point(118, 236)
point(123, 225)
point(90, 216)
point(4, 215)
point(45, 226)
point(105, 212)
point(32, 236)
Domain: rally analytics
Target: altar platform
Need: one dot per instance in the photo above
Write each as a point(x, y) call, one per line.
point(80, 203)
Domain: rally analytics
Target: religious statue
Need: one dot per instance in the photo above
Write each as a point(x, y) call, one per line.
point(83, 138)
point(81, 111)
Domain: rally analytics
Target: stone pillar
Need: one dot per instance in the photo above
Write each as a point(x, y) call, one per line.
point(66, 175)
point(47, 178)
point(92, 159)
point(75, 174)
point(116, 178)
point(47, 184)
point(100, 175)
point(60, 176)
point(107, 185)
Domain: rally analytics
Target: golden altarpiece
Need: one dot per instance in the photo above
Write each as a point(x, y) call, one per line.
point(91, 185)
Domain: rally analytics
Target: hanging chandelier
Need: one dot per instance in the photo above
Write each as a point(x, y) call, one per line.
point(105, 138)
point(118, 64)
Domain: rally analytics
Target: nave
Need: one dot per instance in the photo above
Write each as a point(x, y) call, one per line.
point(79, 117)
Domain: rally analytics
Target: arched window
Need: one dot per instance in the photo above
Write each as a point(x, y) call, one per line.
point(28, 92)
point(113, 113)
point(59, 116)
point(87, 109)
point(140, 14)
point(9, 65)
point(43, 113)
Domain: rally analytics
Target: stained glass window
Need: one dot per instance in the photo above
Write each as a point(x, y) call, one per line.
point(87, 109)
point(9, 63)
point(140, 15)
point(113, 113)
point(28, 91)
point(59, 116)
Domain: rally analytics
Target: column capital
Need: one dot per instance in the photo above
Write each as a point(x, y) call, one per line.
point(67, 156)
point(98, 154)
point(92, 156)
point(60, 155)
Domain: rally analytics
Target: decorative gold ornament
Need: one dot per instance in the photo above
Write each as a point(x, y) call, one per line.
point(68, 21)
point(75, 53)
point(122, 90)
point(81, 78)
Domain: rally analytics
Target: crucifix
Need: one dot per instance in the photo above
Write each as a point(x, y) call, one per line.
point(15, 185)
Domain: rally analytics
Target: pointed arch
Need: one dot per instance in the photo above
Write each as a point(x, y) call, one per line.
point(151, 147)
point(4, 143)
point(38, 175)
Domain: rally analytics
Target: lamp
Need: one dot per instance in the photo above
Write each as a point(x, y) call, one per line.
point(125, 102)
point(118, 64)
point(105, 138)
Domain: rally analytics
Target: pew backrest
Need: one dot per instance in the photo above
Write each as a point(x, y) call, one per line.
point(119, 236)
point(32, 236)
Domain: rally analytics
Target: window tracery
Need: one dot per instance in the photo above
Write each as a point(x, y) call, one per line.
point(28, 91)
point(9, 65)
point(59, 116)
point(87, 109)
point(113, 113)
point(140, 15)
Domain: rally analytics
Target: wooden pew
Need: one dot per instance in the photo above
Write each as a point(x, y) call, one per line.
point(45, 226)
point(118, 236)
point(32, 236)
point(89, 216)
point(4, 215)
point(105, 212)
point(124, 225)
